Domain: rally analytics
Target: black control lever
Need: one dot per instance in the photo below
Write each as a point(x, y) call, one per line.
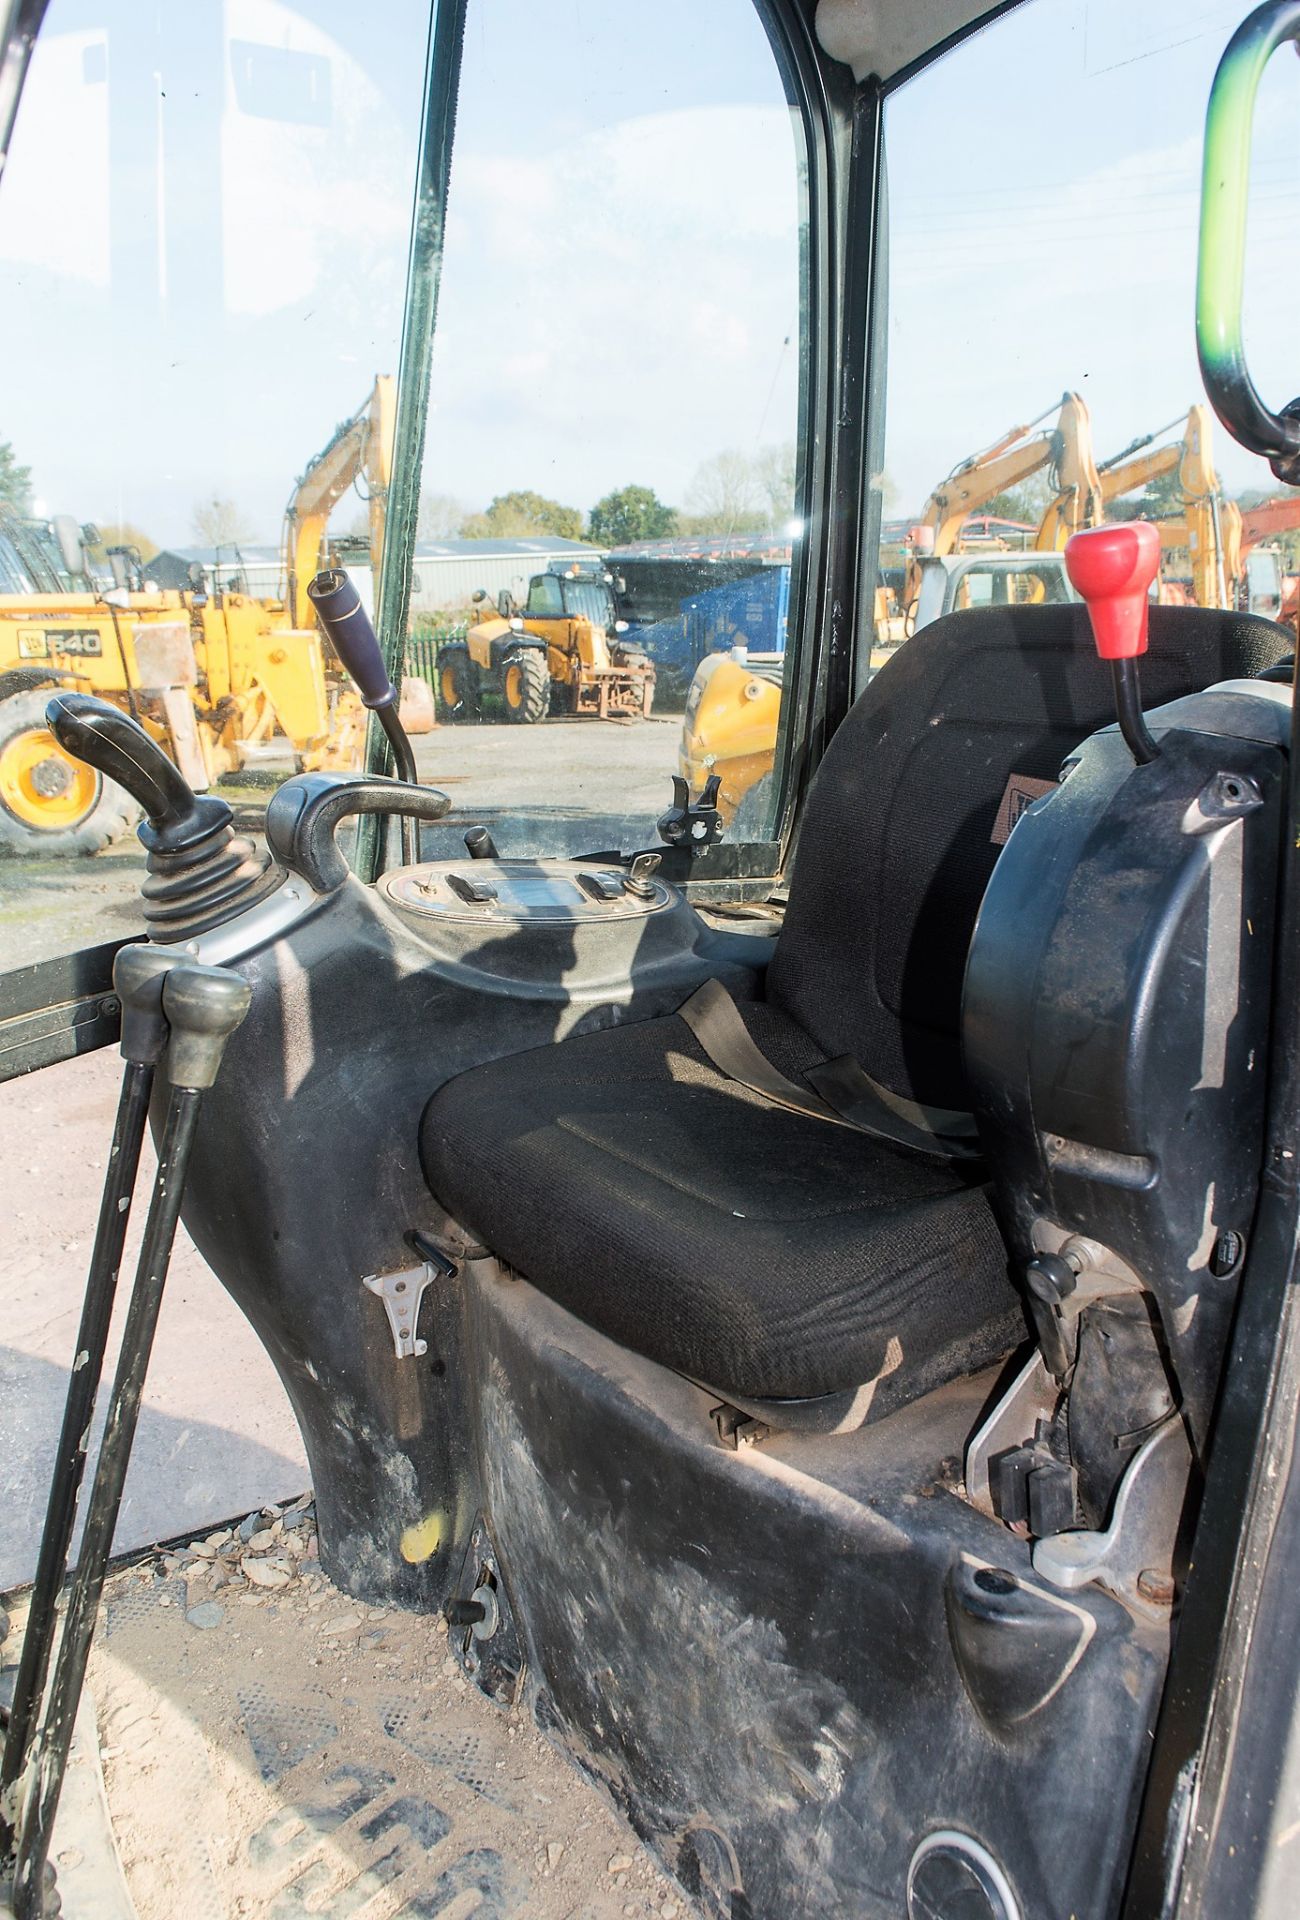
point(480, 845)
point(304, 814)
point(200, 874)
point(695, 826)
point(120, 749)
point(338, 608)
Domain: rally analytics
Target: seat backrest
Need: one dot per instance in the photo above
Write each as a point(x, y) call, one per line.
point(915, 797)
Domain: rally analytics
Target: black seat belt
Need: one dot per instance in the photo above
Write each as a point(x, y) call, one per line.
point(838, 1092)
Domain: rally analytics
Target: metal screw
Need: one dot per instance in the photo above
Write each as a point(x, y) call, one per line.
point(1156, 1587)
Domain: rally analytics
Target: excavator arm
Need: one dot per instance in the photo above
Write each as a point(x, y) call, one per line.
point(362, 445)
point(1066, 448)
point(1268, 518)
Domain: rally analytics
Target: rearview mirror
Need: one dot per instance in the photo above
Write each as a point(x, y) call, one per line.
point(505, 603)
point(68, 534)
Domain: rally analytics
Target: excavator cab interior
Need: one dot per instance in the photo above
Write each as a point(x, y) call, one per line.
point(808, 1312)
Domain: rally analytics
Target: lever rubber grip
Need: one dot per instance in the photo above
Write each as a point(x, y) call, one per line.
point(119, 748)
point(303, 816)
point(1112, 569)
point(340, 612)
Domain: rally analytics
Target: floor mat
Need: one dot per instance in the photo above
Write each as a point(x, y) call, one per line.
point(291, 1752)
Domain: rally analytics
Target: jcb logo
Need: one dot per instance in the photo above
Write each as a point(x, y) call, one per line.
point(38, 643)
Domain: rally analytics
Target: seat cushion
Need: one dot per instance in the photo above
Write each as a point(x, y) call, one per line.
point(758, 1251)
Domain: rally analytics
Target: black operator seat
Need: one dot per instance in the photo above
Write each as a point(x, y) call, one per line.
point(727, 1234)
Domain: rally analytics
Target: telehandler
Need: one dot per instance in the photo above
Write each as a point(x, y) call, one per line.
point(843, 1380)
point(209, 675)
point(562, 652)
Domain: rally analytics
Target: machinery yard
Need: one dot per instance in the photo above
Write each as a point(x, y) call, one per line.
point(563, 768)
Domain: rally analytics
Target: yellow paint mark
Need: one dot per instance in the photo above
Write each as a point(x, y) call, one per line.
point(421, 1540)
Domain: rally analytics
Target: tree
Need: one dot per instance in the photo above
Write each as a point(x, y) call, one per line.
point(1028, 502)
point(1161, 498)
point(630, 513)
point(774, 475)
point(725, 495)
point(440, 518)
point(122, 534)
point(522, 515)
point(219, 523)
point(15, 481)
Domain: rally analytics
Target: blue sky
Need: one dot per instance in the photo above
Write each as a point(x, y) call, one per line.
point(204, 227)
point(1045, 183)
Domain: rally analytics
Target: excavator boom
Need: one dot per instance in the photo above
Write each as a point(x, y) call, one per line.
point(1268, 518)
point(1066, 448)
point(362, 445)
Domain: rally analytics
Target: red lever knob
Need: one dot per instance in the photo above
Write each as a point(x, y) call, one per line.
point(1113, 567)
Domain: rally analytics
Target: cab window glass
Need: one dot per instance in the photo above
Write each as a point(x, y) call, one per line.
point(544, 595)
point(615, 395)
point(204, 227)
point(1042, 369)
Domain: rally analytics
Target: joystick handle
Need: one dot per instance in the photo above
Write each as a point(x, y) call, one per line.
point(119, 748)
point(1112, 569)
point(340, 612)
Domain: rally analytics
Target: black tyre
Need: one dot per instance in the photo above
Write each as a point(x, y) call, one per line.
point(25, 680)
point(50, 804)
point(525, 685)
point(457, 684)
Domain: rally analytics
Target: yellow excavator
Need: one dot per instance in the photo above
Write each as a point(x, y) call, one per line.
point(732, 708)
point(208, 675)
point(1066, 449)
point(1209, 528)
point(361, 448)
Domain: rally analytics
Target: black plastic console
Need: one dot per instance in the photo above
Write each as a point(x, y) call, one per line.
point(1116, 1011)
point(305, 1180)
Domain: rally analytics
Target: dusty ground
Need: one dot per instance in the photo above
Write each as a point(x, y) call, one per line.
point(275, 1751)
point(271, 1748)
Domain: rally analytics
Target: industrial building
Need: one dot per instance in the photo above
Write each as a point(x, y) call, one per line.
point(447, 573)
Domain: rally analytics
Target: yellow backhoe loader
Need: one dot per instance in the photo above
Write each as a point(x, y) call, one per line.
point(208, 675)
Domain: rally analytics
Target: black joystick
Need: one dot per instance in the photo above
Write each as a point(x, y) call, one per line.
point(200, 873)
point(338, 608)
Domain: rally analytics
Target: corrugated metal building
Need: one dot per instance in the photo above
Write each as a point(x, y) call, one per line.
point(445, 576)
point(447, 572)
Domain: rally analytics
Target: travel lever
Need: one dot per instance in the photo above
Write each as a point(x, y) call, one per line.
point(1112, 569)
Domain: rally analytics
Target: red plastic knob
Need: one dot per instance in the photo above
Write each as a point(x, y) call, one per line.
point(1112, 568)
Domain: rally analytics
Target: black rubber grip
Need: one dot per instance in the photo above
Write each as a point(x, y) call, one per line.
point(119, 748)
point(303, 816)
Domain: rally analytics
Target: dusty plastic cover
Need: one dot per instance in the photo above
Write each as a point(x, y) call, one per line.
point(884, 36)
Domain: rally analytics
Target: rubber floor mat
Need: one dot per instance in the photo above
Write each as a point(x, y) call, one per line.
point(293, 1753)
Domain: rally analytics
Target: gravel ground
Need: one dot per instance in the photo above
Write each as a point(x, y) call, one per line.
point(567, 786)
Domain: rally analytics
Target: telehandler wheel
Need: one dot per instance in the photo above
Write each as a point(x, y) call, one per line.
point(457, 684)
point(525, 685)
point(51, 804)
